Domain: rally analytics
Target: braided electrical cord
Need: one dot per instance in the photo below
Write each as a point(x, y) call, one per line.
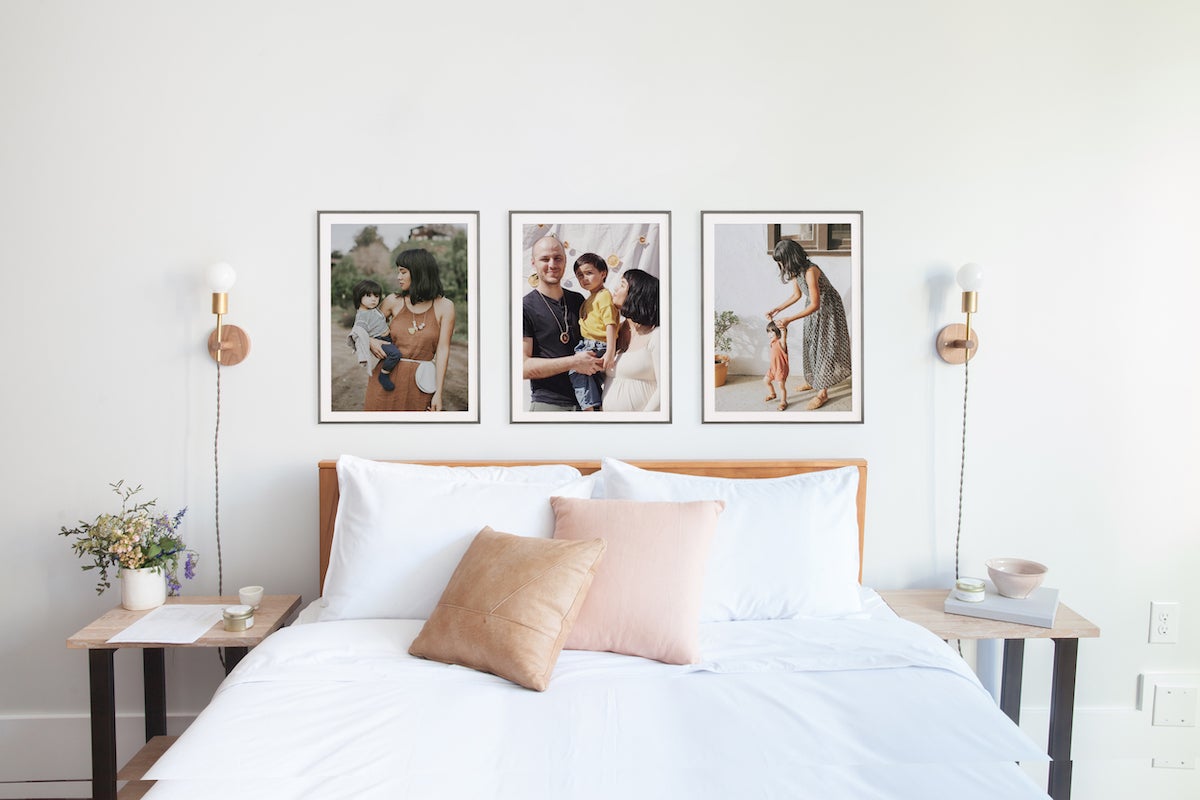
point(962, 464)
point(217, 498)
point(217, 484)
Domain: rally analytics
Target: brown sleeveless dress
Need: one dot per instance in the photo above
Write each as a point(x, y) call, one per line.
point(422, 346)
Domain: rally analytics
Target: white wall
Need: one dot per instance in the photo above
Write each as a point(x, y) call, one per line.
point(1054, 143)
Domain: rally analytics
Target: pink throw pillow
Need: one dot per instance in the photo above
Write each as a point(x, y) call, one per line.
point(645, 599)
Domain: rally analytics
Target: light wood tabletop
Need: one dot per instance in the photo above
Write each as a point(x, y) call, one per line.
point(924, 607)
point(272, 614)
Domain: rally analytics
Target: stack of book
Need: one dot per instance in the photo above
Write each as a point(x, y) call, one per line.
point(1036, 609)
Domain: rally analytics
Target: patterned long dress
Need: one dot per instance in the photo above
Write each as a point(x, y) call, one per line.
point(826, 336)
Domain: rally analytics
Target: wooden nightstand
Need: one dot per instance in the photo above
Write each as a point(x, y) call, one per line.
point(924, 607)
point(273, 613)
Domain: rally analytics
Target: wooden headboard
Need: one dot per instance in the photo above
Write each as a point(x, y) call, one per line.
point(327, 470)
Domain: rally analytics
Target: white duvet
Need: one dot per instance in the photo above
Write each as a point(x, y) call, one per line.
point(822, 709)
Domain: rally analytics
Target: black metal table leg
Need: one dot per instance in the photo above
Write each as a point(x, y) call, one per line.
point(154, 678)
point(1010, 678)
point(232, 656)
point(1062, 717)
point(104, 724)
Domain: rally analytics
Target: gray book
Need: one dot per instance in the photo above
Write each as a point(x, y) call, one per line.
point(1036, 609)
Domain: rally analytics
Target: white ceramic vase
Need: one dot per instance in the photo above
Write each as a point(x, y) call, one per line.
point(143, 588)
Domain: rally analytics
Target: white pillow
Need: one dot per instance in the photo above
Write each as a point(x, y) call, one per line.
point(402, 528)
point(784, 547)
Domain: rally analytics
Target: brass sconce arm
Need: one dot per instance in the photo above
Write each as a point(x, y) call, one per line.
point(957, 343)
point(228, 344)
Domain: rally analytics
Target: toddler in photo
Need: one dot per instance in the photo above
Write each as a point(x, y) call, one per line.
point(597, 326)
point(778, 370)
point(369, 323)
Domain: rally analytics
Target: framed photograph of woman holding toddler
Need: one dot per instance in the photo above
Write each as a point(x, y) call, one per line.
point(398, 316)
point(782, 316)
point(590, 316)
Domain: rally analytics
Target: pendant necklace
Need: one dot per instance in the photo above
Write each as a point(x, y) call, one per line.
point(416, 326)
point(563, 337)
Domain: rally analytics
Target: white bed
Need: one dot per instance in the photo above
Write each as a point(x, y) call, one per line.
point(862, 705)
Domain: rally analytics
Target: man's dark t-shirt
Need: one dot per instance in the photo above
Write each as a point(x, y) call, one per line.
point(543, 323)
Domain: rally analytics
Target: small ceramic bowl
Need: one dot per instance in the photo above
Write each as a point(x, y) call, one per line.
point(251, 595)
point(1015, 577)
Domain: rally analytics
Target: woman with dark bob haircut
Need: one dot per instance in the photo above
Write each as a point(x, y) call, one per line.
point(826, 344)
point(420, 323)
point(632, 383)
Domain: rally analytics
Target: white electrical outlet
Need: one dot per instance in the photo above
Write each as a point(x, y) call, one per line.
point(1164, 623)
point(1174, 762)
point(1175, 706)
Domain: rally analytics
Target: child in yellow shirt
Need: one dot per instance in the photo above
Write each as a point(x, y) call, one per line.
point(598, 327)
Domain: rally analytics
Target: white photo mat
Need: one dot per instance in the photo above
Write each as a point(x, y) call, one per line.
point(635, 239)
point(739, 274)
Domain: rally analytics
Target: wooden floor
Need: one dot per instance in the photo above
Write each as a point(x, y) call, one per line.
point(139, 764)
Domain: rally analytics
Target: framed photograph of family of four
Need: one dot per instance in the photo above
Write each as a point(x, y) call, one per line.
point(590, 316)
point(782, 316)
point(398, 312)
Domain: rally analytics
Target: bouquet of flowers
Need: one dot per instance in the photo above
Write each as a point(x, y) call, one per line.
point(135, 538)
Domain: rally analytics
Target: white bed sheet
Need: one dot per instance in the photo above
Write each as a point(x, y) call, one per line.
point(870, 707)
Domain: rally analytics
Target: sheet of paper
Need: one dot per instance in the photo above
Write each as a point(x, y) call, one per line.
point(173, 624)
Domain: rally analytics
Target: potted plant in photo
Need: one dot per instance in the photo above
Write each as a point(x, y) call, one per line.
point(143, 545)
point(723, 341)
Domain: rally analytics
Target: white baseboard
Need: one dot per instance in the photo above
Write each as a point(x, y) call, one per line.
point(56, 789)
point(1111, 751)
point(51, 755)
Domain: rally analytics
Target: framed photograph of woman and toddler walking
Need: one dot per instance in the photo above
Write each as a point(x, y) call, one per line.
point(398, 312)
point(782, 316)
point(590, 316)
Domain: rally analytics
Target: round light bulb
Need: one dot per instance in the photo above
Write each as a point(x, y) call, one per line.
point(970, 277)
point(221, 277)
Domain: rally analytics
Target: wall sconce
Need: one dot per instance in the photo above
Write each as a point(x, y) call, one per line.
point(228, 344)
point(956, 343)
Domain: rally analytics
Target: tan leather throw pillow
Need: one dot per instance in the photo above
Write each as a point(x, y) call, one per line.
point(509, 606)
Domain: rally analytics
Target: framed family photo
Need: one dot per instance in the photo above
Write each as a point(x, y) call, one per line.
point(782, 316)
point(398, 316)
point(590, 316)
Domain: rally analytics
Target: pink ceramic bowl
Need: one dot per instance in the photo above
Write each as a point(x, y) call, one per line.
point(1015, 577)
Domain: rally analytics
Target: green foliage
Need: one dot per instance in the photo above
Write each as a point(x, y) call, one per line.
point(342, 279)
point(722, 323)
point(451, 256)
point(369, 234)
point(454, 275)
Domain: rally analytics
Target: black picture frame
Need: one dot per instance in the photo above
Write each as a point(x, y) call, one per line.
point(362, 245)
point(625, 240)
point(742, 282)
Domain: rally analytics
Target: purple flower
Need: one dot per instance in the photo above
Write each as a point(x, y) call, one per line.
point(189, 566)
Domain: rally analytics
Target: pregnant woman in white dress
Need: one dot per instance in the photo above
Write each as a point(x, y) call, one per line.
point(632, 383)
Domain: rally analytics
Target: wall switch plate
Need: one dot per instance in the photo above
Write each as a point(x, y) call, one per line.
point(1174, 762)
point(1164, 623)
point(1148, 680)
point(1175, 705)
